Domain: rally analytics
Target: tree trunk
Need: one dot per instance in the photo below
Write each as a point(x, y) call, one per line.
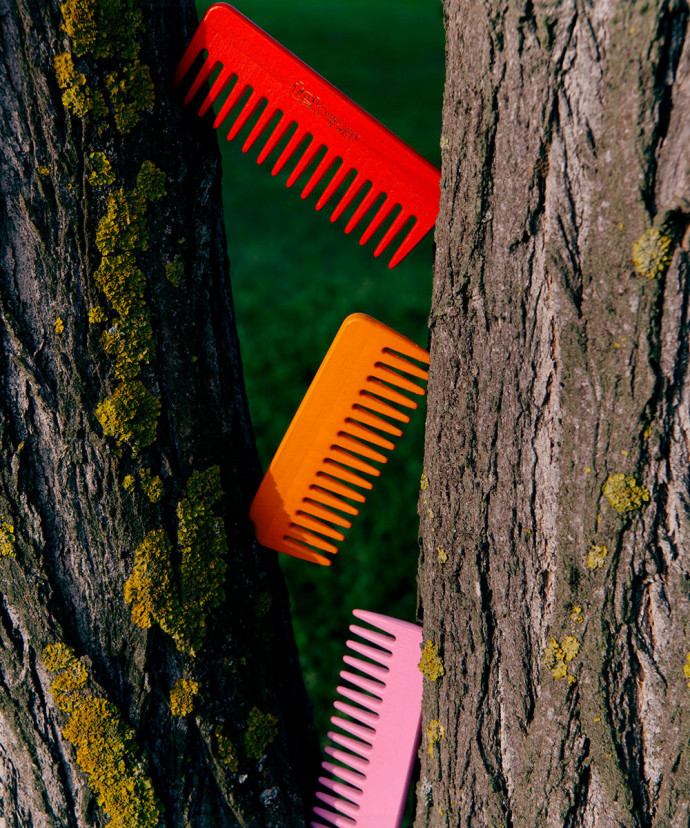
point(147, 669)
point(554, 578)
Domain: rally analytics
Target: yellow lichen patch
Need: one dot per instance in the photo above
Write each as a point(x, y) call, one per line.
point(151, 485)
point(423, 482)
point(203, 549)
point(624, 494)
point(96, 315)
point(130, 415)
point(128, 482)
point(686, 669)
point(131, 91)
point(123, 227)
point(556, 655)
point(59, 326)
point(441, 555)
point(152, 588)
point(434, 733)
point(227, 752)
point(151, 181)
point(182, 697)
point(43, 171)
point(174, 272)
point(103, 28)
point(100, 170)
point(7, 539)
point(105, 744)
point(262, 729)
point(652, 253)
point(65, 72)
point(431, 664)
point(596, 557)
point(576, 615)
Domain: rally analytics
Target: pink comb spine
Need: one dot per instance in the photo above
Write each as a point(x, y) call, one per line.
point(386, 777)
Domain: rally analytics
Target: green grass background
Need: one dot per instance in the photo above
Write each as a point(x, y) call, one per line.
point(296, 276)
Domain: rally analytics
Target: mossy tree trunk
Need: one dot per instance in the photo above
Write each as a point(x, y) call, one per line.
point(555, 569)
point(128, 566)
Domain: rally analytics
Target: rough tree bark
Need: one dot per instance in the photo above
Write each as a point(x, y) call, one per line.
point(555, 572)
point(122, 417)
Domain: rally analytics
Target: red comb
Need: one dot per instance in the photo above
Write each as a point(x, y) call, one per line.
point(325, 119)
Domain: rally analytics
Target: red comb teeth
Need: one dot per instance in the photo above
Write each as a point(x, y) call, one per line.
point(354, 141)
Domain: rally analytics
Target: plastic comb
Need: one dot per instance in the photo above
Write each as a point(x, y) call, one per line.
point(375, 747)
point(327, 122)
point(346, 418)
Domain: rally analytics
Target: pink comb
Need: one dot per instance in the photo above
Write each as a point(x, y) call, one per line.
point(325, 119)
point(368, 787)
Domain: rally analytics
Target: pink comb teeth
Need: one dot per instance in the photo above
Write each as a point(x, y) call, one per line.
point(378, 737)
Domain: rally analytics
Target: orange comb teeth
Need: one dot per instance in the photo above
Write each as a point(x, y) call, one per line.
point(327, 123)
point(326, 458)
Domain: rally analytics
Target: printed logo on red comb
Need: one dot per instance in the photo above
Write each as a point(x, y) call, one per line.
point(313, 102)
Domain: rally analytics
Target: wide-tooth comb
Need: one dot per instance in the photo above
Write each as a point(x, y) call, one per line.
point(327, 455)
point(376, 744)
point(325, 119)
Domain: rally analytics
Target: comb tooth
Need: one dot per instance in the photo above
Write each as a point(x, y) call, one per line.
point(380, 656)
point(340, 788)
point(337, 820)
point(365, 716)
point(235, 94)
point(371, 686)
point(322, 168)
point(246, 112)
point(219, 84)
point(259, 126)
point(302, 164)
point(365, 204)
point(327, 499)
point(278, 131)
point(366, 667)
point(391, 376)
point(383, 390)
point(348, 775)
point(392, 232)
point(318, 510)
point(307, 521)
point(338, 471)
point(351, 444)
point(332, 485)
point(355, 186)
point(403, 364)
point(203, 75)
point(347, 459)
point(358, 730)
point(368, 702)
point(374, 636)
point(191, 53)
point(410, 241)
point(365, 416)
point(300, 534)
point(348, 759)
point(339, 804)
point(381, 215)
point(298, 550)
point(382, 407)
point(289, 150)
point(360, 749)
point(340, 175)
point(358, 430)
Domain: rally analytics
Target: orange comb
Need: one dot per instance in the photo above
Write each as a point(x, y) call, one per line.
point(319, 469)
point(330, 129)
